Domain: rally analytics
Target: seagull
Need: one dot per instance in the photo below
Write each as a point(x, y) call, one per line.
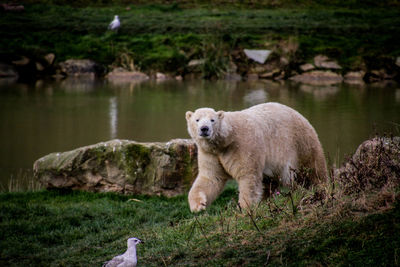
point(128, 259)
point(115, 24)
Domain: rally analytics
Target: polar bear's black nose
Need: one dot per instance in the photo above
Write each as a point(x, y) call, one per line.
point(204, 130)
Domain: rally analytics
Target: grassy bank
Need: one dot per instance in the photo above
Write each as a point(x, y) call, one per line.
point(297, 228)
point(166, 37)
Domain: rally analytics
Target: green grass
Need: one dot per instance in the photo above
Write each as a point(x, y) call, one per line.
point(76, 228)
point(167, 37)
point(70, 228)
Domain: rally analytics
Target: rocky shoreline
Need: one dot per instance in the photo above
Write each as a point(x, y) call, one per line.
point(278, 64)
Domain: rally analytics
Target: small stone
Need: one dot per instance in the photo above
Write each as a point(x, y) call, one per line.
point(323, 62)
point(267, 75)
point(281, 76)
point(58, 76)
point(283, 61)
point(319, 59)
point(161, 76)
point(306, 67)
point(271, 74)
point(21, 62)
point(330, 65)
point(232, 68)
point(196, 62)
point(354, 77)
point(397, 61)
point(12, 7)
point(39, 84)
point(50, 58)
point(260, 69)
point(39, 66)
point(382, 74)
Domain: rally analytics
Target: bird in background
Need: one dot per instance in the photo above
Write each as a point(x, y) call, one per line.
point(115, 24)
point(128, 259)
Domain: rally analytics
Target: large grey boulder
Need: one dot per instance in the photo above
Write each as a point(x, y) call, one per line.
point(122, 166)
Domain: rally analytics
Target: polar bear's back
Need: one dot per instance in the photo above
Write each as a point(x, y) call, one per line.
point(275, 119)
point(275, 112)
point(284, 135)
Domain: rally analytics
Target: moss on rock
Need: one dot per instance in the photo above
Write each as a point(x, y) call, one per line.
point(122, 166)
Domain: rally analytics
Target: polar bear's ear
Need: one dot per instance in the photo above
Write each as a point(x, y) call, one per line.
point(220, 114)
point(188, 115)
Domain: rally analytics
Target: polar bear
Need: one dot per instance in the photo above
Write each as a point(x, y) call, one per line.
point(269, 139)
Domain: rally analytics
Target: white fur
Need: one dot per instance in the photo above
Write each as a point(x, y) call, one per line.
point(268, 139)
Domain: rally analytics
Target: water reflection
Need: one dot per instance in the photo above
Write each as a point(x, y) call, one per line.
point(8, 81)
point(256, 97)
point(79, 84)
point(58, 116)
point(320, 93)
point(113, 117)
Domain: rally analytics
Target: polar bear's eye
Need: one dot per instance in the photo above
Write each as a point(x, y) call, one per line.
point(197, 120)
point(212, 120)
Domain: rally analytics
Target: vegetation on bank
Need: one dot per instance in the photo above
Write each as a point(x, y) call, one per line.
point(353, 219)
point(158, 37)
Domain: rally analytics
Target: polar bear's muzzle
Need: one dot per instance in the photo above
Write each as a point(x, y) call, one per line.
point(204, 131)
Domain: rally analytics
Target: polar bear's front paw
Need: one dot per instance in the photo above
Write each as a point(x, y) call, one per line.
point(198, 203)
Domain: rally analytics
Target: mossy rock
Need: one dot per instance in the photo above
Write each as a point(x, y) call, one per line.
point(122, 166)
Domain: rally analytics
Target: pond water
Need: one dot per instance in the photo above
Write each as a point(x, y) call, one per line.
point(45, 117)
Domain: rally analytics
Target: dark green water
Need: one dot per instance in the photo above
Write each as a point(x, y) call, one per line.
point(50, 117)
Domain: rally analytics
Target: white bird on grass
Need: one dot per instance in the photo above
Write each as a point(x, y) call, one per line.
point(115, 24)
point(128, 259)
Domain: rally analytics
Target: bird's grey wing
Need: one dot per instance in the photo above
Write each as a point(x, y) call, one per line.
point(114, 261)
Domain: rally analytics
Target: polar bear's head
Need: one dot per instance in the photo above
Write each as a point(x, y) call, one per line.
point(204, 123)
